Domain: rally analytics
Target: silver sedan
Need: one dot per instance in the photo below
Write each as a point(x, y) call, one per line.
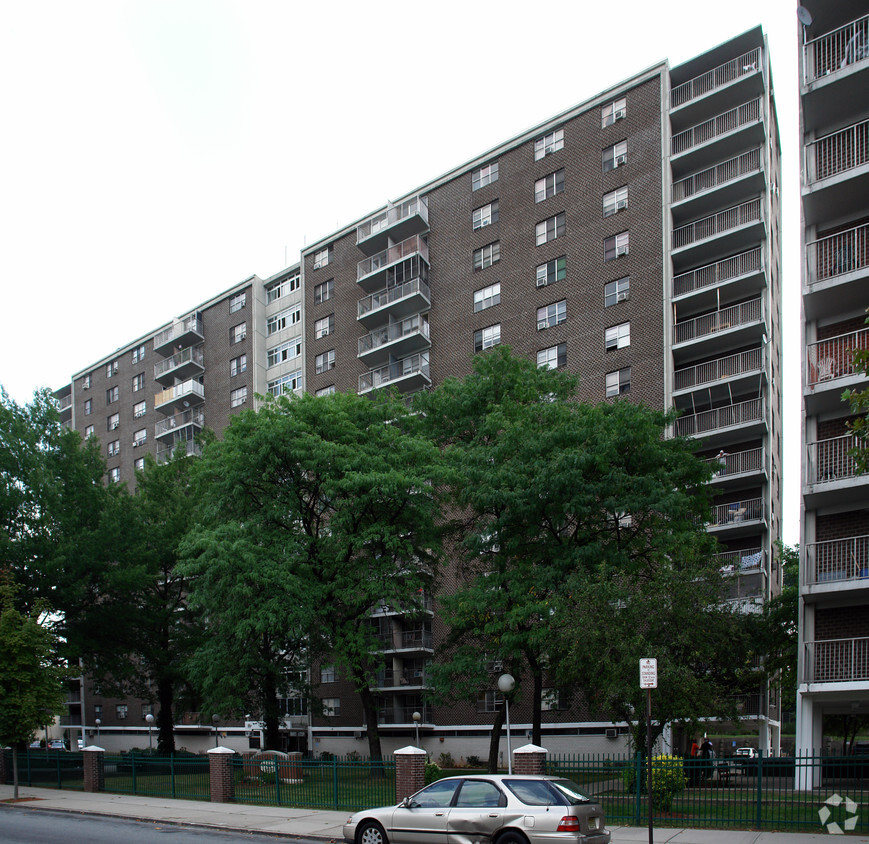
point(485, 809)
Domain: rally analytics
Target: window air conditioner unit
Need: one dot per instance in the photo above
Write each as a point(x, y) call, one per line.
point(621, 205)
point(541, 324)
point(115, 425)
point(541, 282)
point(135, 443)
point(621, 250)
point(622, 297)
point(357, 734)
point(619, 115)
point(611, 732)
point(621, 159)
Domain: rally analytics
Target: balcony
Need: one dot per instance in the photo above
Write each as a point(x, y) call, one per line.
point(743, 274)
point(836, 661)
point(738, 516)
point(715, 371)
point(168, 426)
point(744, 561)
point(844, 562)
point(732, 320)
point(416, 640)
point(397, 339)
point(424, 605)
point(830, 470)
point(837, 50)
point(716, 79)
point(397, 223)
point(732, 468)
point(179, 397)
point(189, 447)
point(727, 231)
point(405, 678)
point(403, 715)
point(830, 369)
point(371, 272)
point(747, 417)
point(407, 375)
point(185, 332)
point(836, 270)
point(396, 302)
point(185, 364)
point(723, 184)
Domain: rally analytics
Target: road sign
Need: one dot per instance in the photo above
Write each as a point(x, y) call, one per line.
point(648, 673)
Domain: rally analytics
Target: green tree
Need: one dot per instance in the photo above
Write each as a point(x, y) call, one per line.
point(859, 401)
point(343, 493)
point(31, 683)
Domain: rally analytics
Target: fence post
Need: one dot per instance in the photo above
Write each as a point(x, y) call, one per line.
point(758, 818)
point(335, 780)
point(94, 770)
point(220, 774)
point(133, 771)
point(638, 783)
point(409, 772)
point(172, 772)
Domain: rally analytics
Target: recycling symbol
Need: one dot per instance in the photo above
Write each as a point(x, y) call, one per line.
point(836, 800)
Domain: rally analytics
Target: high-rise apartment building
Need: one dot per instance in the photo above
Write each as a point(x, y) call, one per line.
point(834, 542)
point(633, 239)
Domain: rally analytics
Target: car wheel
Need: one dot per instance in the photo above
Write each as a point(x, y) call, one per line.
point(511, 837)
point(371, 833)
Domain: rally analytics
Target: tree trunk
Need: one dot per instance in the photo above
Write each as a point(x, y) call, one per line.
point(271, 713)
point(536, 696)
point(495, 740)
point(165, 721)
point(370, 712)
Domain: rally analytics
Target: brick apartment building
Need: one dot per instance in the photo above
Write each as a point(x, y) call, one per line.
point(633, 239)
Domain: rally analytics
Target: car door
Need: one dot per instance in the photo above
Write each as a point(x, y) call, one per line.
point(424, 819)
point(477, 812)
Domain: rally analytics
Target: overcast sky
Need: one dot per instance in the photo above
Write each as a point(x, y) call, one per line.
point(156, 152)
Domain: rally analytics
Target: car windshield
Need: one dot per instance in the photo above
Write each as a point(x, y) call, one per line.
point(571, 791)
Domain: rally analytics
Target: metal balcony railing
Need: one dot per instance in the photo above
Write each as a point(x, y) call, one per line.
point(748, 162)
point(194, 354)
point(716, 370)
point(392, 255)
point(721, 124)
point(718, 77)
point(395, 331)
point(837, 254)
point(736, 512)
point(839, 152)
point(724, 270)
point(746, 560)
point(402, 714)
point(189, 388)
point(390, 295)
point(834, 357)
point(831, 459)
point(730, 317)
point(723, 221)
point(194, 416)
point(738, 463)
point(836, 660)
point(192, 323)
point(189, 447)
point(416, 639)
point(394, 372)
point(838, 560)
point(721, 417)
point(64, 403)
point(393, 215)
point(836, 50)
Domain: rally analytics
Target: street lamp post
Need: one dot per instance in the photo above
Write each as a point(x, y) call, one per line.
point(215, 719)
point(98, 723)
point(506, 683)
point(150, 719)
point(416, 719)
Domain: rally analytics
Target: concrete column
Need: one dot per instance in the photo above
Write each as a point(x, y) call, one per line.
point(220, 774)
point(530, 759)
point(92, 761)
point(409, 772)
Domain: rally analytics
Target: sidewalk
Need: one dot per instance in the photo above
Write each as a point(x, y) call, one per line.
point(310, 823)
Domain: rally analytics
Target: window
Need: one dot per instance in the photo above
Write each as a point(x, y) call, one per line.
point(487, 297)
point(88, 407)
point(615, 246)
point(139, 464)
point(112, 394)
point(484, 175)
point(140, 437)
point(485, 338)
point(327, 674)
point(238, 397)
point(616, 110)
point(322, 258)
point(138, 382)
point(283, 287)
point(286, 384)
point(121, 711)
point(113, 449)
point(548, 144)
point(325, 361)
point(324, 327)
point(487, 255)
point(616, 291)
point(147, 709)
point(237, 302)
point(615, 201)
point(324, 291)
point(485, 216)
point(554, 357)
point(112, 369)
point(553, 699)
point(114, 475)
point(551, 315)
point(618, 382)
point(113, 422)
point(140, 409)
point(549, 186)
point(237, 333)
point(551, 271)
point(86, 382)
point(284, 352)
point(550, 229)
point(490, 701)
point(617, 337)
point(237, 365)
point(332, 706)
point(89, 431)
point(326, 391)
point(138, 354)
point(615, 156)
point(286, 318)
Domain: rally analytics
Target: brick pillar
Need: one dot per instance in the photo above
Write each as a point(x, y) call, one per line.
point(92, 761)
point(409, 772)
point(530, 759)
point(220, 774)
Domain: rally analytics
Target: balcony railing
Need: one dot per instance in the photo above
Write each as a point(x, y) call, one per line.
point(189, 447)
point(730, 317)
point(64, 403)
point(838, 254)
point(738, 463)
point(390, 295)
point(831, 460)
point(721, 271)
point(838, 560)
point(742, 165)
point(194, 416)
point(391, 256)
point(838, 49)
point(844, 150)
point(736, 512)
point(721, 124)
point(416, 639)
point(723, 221)
point(718, 77)
point(395, 214)
point(836, 660)
point(404, 677)
point(394, 372)
point(721, 417)
point(393, 332)
point(402, 714)
point(185, 326)
point(192, 355)
point(716, 370)
point(186, 389)
point(744, 561)
point(834, 357)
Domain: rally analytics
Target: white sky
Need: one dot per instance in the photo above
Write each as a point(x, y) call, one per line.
point(156, 152)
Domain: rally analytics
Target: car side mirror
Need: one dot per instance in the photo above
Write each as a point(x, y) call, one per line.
point(406, 803)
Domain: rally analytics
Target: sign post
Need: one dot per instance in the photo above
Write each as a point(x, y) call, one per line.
point(649, 681)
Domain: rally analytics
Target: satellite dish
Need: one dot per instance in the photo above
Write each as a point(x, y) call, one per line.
point(804, 15)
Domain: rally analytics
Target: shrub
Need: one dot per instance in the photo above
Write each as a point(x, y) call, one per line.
point(445, 760)
point(668, 780)
point(474, 762)
point(432, 772)
point(354, 756)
